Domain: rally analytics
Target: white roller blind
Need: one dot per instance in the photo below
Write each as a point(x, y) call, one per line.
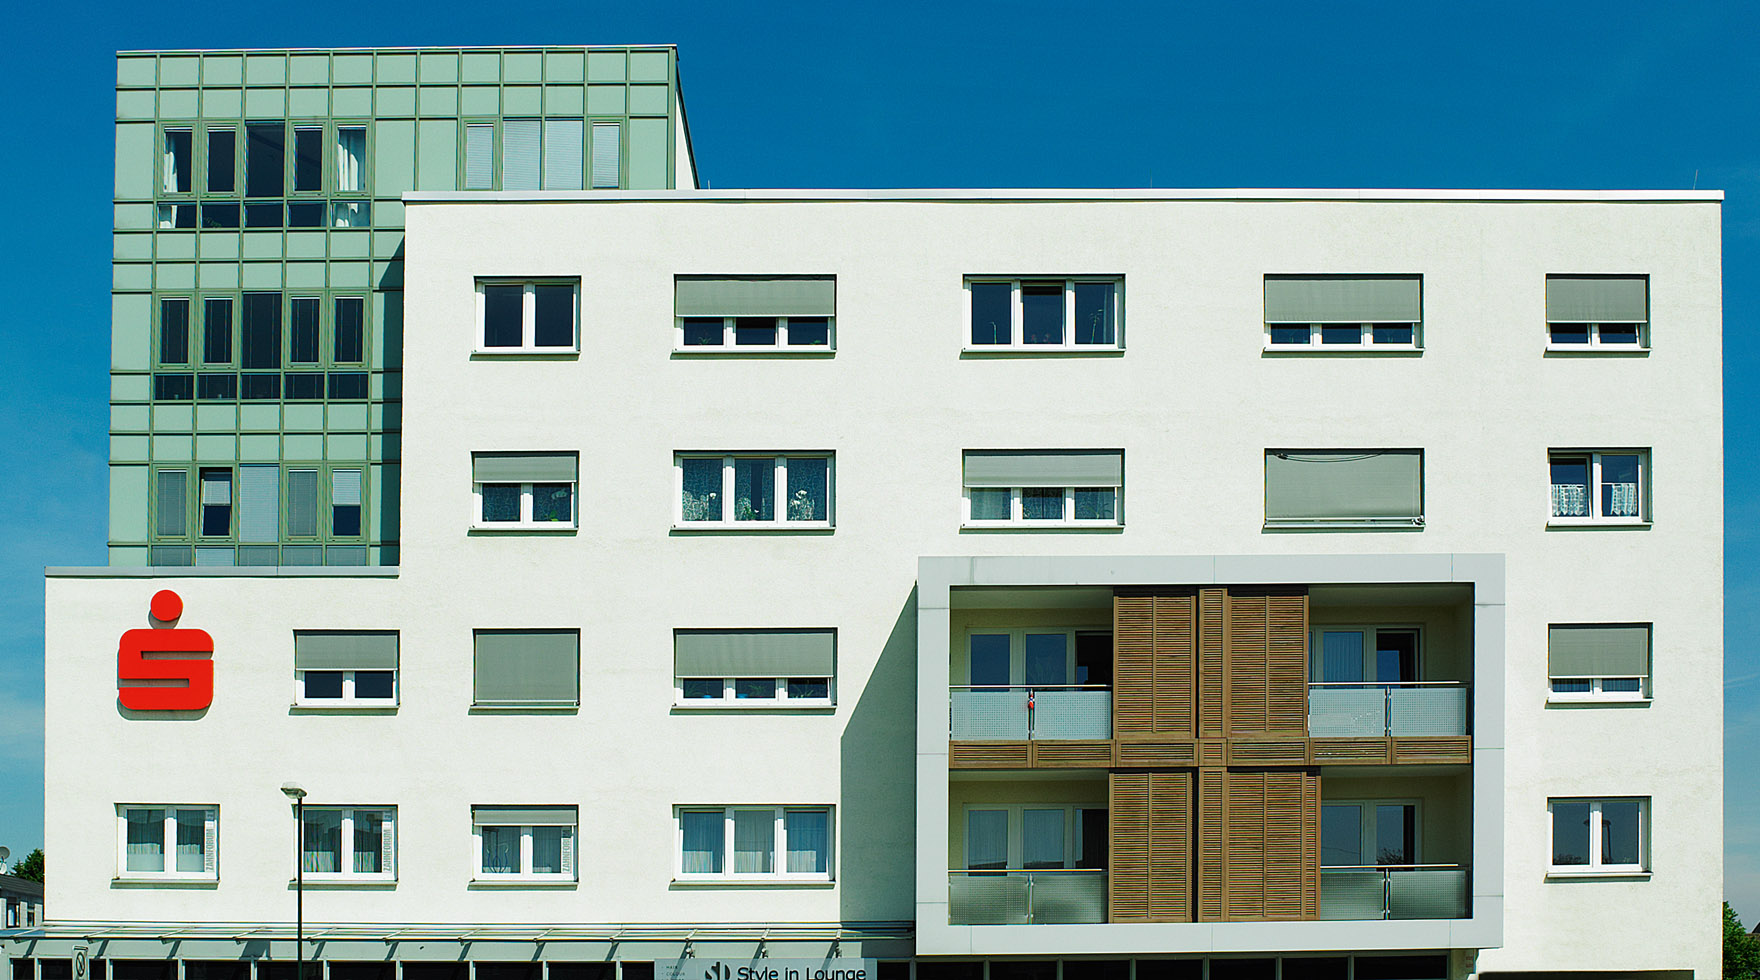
point(302, 503)
point(217, 488)
point(259, 504)
point(345, 488)
point(606, 155)
point(479, 156)
point(519, 155)
point(562, 154)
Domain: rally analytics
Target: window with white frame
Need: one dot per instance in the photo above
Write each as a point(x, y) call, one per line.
point(763, 668)
point(1606, 487)
point(349, 843)
point(1344, 488)
point(1039, 657)
point(167, 842)
point(754, 843)
point(754, 315)
point(753, 490)
point(524, 843)
point(528, 316)
point(1369, 833)
point(1047, 314)
point(1597, 313)
point(345, 668)
point(1599, 662)
point(1035, 837)
point(524, 491)
point(1365, 655)
point(1344, 312)
point(1600, 836)
point(1071, 488)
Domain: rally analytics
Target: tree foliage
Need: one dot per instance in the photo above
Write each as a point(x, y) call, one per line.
point(1741, 950)
point(31, 868)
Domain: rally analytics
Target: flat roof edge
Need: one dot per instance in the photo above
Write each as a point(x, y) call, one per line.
point(1053, 195)
point(265, 571)
point(143, 52)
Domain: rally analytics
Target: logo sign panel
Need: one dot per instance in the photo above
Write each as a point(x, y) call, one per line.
point(707, 968)
point(148, 678)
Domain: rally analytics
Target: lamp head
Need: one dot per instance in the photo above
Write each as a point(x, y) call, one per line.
point(294, 791)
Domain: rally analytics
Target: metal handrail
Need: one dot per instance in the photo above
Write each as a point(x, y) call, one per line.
point(1387, 690)
point(998, 871)
point(1388, 684)
point(1386, 872)
point(1388, 867)
point(1029, 687)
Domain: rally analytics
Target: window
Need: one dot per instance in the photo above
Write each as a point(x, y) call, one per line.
point(607, 155)
point(1033, 837)
point(1599, 487)
point(1608, 836)
point(1045, 314)
point(349, 843)
point(345, 668)
point(349, 330)
point(541, 154)
point(524, 843)
point(159, 842)
point(216, 503)
point(1039, 657)
point(754, 491)
point(351, 159)
point(1365, 655)
point(179, 160)
point(217, 330)
point(527, 316)
point(1369, 833)
point(1044, 487)
point(308, 503)
point(524, 491)
point(1343, 312)
point(265, 161)
point(527, 669)
point(222, 160)
point(1607, 313)
point(1344, 488)
point(1601, 662)
point(754, 843)
point(174, 330)
point(308, 159)
point(754, 315)
point(171, 504)
point(754, 668)
point(479, 156)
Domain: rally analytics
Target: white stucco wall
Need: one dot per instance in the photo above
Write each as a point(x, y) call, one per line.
point(1193, 401)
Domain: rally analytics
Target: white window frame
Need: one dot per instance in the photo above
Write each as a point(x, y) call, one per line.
point(525, 875)
point(1596, 692)
point(1017, 649)
point(348, 699)
point(1596, 344)
point(1595, 868)
point(1316, 661)
point(1017, 316)
point(779, 482)
point(168, 843)
point(1016, 850)
point(780, 700)
point(1368, 840)
point(1365, 341)
point(1595, 516)
point(1017, 510)
point(528, 315)
point(525, 522)
point(387, 849)
point(779, 845)
point(728, 333)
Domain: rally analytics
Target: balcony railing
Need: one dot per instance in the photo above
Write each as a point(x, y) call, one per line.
point(1007, 898)
point(1012, 712)
point(1406, 891)
point(1404, 708)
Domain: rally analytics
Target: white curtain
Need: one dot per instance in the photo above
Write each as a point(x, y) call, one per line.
point(146, 840)
point(351, 158)
point(986, 839)
point(1570, 500)
point(809, 841)
point(1042, 838)
point(754, 842)
point(703, 847)
point(1622, 500)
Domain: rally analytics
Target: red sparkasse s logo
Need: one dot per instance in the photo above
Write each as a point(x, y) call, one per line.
point(132, 663)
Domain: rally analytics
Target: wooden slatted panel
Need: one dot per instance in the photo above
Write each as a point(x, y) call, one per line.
point(1212, 752)
point(1127, 892)
point(1289, 843)
point(1266, 667)
point(1157, 755)
point(1246, 669)
point(987, 755)
point(1270, 752)
point(1373, 750)
point(1244, 826)
point(1176, 649)
point(1133, 665)
point(1212, 640)
point(1170, 847)
point(1071, 755)
point(1456, 749)
point(1212, 875)
point(1287, 662)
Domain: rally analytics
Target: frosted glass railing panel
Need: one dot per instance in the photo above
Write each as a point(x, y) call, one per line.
point(990, 714)
point(1340, 712)
point(1427, 710)
point(1352, 894)
point(1427, 893)
point(990, 898)
point(1072, 714)
point(987, 899)
point(1069, 896)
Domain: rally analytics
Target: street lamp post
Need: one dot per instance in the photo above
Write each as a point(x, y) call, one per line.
point(298, 795)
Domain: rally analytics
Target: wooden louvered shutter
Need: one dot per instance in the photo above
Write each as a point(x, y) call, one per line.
point(1244, 827)
point(1212, 874)
point(1212, 614)
point(1154, 649)
point(1291, 845)
point(1170, 847)
point(1127, 887)
point(1266, 662)
point(1258, 846)
point(1176, 647)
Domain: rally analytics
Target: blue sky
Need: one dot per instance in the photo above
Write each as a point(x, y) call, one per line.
point(906, 94)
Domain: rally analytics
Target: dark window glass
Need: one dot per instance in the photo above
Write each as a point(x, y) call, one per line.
point(809, 687)
point(260, 387)
point(180, 215)
point(174, 331)
point(222, 159)
point(573, 971)
point(1619, 832)
point(54, 969)
point(173, 387)
point(345, 520)
point(1023, 970)
point(306, 215)
point(901, 970)
point(370, 684)
point(702, 331)
point(1093, 658)
point(1095, 322)
point(754, 489)
point(216, 331)
point(1289, 333)
point(1315, 968)
point(260, 338)
point(219, 216)
point(1226, 969)
point(348, 385)
point(1395, 827)
point(754, 330)
point(1570, 333)
point(554, 326)
point(1041, 503)
point(177, 160)
point(1042, 313)
point(1096, 970)
point(217, 387)
point(288, 971)
point(956, 970)
point(500, 502)
point(262, 214)
point(1396, 655)
point(1096, 503)
point(142, 969)
point(302, 330)
point(1092, 847)
point(1396, 967)
point(509, 971)
point(308, 159)
point(992, 313)
point(1570, 833)
point(305, 386)
point(323, 683)
point(552, 502)
point(178, 555)
point(1570, 471)
point(1392, 333)
point(809, 331)
point(754, 687)
point(1336, 333)
point(702, 688)
point(350, 327)
point(264, 166)
point(503, 316)
point(216, 503)
point(632, 970)
point(1619, 333)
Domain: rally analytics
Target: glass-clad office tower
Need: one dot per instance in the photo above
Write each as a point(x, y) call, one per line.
point(257, 292)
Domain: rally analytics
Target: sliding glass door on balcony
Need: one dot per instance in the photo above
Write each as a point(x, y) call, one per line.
point(1368, 681)
point(1031, 864)
point(1370, 866)
point(1045, 684)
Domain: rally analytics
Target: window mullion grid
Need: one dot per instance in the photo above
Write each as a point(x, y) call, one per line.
point(1016, 512)
point(525, 851)
point(1017, 328)
point(1596, 831)
point(779, 844)
point(728, 332)
point(1069, 504)
point(1594, 486)
point(1314, 334)
point(727, 841)
point(727, 489)
point(345, 860)
point(525, 503)
point(528, 316)
point(779, 491)
point(782, 331)
point(1069, 314)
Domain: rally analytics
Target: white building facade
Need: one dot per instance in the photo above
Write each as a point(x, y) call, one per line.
point(1050, 584)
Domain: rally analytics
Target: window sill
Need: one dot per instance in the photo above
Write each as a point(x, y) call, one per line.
point(1403, 525)
point(343, 708)
point(1565, 874)
point(1569, 350)
point(140, 881)
point(750, 706)
point(1378, 350)
point(1596, 701)
point(549, 527)
point(752, 527)
point(525, 709)
point(1043, 526)
point(1583, 524)
point(751, 882)
point(1096, 350)
point(527, 353)
point(513, 881)
point(755, 350)
point(343, 883)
